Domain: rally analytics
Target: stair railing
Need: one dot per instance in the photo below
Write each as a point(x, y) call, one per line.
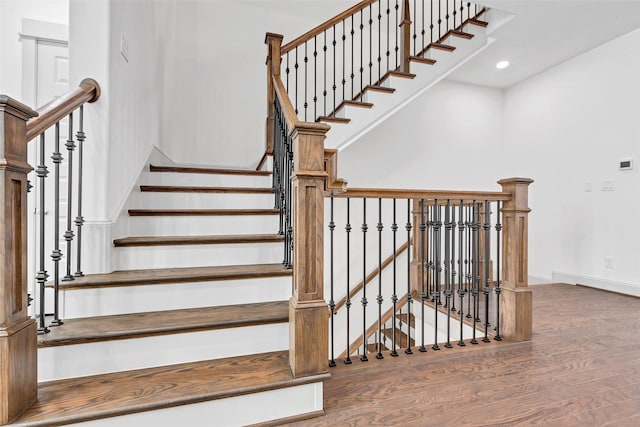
point(335, 63)
point(451, 239)
point(19, 125)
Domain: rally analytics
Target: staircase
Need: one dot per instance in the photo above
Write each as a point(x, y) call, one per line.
point(177, 333)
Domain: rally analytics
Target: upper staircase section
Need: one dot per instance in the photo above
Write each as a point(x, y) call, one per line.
point(366, 63)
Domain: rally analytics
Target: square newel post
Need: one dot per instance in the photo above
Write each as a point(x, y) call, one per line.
point(273, 42)
point(515, 299)
point(18, 363)
point(308, 311)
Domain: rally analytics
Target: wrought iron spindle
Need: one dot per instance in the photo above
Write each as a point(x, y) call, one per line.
point(56, 254)
point(437, 256)
point(347, 228)
point(446, 27)
point(379, 299)
point(498, 288)
point(361, 55)
point(408, 227)
point(379, 41)
point(447, 269)
point(423, 292)
point(332, 303)
point(344, 64)
point(295, 66)
point(487, 280)
point(68, 234)
point(439, 19)
point(315, 77)
point(289, 217)
point(422, 30)
point(468, 260)
point(415, 36)
point(364, 301)
point(455, 13)
point(394, 297)
point(286, 72)
point(41, 275)
point(352, 61)
point(334, 87)
point(79, 221)
point(397, 28)
point(468, 10)
point(388, 52)
point(324, 90)
point(453, 256)
point(306, 60)
point(476, 267)
point(461, 289)
point(370, 49)
point(461, 13)
point(431, 26)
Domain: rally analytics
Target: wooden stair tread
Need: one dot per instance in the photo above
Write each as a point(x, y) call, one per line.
point(98, 396)
point(422, 60)
point(203, 170)
point(401, 337)
point(441, 46)
point(135, 325)
point(400, 74)
point(403, 318)
point(176, 275)
point(458, 33)
point(196, 240)
point(360, 104)
point(331, 119)
point(376, 88)
point(201, 212)
point(477, 22)
point(192, 189)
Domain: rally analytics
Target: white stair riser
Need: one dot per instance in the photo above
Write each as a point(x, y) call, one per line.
point(198, 225)
point(213, 180)
point(229, 412)
point(79, 360)
point(143, 257)
point(145, 298)
point(159, 200)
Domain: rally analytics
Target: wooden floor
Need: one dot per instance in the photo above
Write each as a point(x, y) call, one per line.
point(581, 369)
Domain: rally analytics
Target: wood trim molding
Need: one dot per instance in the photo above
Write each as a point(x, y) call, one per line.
point(390, 193)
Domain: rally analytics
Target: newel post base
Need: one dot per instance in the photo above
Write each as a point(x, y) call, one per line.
point(516, 298)
point(308, 311)
point(18, 340)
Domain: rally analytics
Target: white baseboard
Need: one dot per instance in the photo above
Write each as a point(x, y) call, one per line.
point(596, 282)
point(539, 280)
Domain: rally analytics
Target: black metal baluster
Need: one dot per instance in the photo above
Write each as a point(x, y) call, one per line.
point(290, 203)
point(295, 66)
point(498, 288)
point(397, 29)
point(352, 61)
point(315, 77)
point(361, 55)
point(461, 289)
point(408, 227)
point(79, 221)
point(347, 228)
point(475, 269)
point(468, 10)
point(380, 227)
point(379, 41)
point(453, 258)
point(332, 303)
point(41, 275)
point(461, 13)
point(364, 301)
point(415, 36)
point(423, 292)
point(286, 72)
point(370, 49)
point(324, 91)
point(56, 254)
point(446, 27)
point(447, 269)
point(439, 20)
point(478, 279)
point(394, 297)
point(68, 234)
point(344, 65)
point(455, 13)
point(437, 256)
point(422, 31)
point(334, 87)
point(306, 60)
point(468, 260)
point(388, 52)
point(487, 281)
point(431, 26)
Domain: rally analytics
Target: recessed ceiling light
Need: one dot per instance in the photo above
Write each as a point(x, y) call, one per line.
point(502, 64)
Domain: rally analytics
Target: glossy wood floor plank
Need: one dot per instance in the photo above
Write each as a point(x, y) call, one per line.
point(581, 369)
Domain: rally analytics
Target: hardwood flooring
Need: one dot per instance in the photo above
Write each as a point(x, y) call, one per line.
point(582, 368)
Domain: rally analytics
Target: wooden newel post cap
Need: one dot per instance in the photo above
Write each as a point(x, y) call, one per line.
point(271, 37)
point(16, 108)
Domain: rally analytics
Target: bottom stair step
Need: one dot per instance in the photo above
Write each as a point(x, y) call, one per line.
point(180, 395)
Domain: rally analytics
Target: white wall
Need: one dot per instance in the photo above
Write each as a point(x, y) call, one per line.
point(433, 143)
point(11, 14)
point(214, 101)
point(569, 126)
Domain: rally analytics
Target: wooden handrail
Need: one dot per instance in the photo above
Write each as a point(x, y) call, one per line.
point(391, 193)
point(325, 25)
point(87, 91)
point(289, 112)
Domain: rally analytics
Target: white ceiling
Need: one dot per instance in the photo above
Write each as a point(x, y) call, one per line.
point(545, 33)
